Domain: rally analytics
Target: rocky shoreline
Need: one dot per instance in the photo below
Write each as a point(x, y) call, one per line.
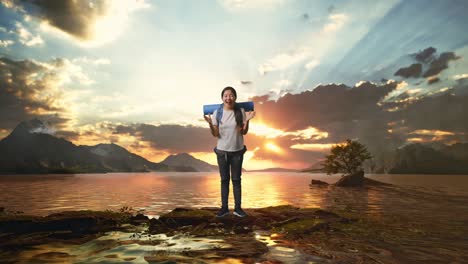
point(278, 234)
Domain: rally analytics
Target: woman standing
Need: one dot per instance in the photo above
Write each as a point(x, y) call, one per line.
point(229, 124)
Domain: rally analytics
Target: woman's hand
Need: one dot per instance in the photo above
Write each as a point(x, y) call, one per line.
point(249, 115)
point(214, 129)
point(208, 119)
point(245, 127)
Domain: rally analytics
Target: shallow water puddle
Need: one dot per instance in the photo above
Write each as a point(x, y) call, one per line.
point(121, 247)
point(125, 247)
point(278, 252)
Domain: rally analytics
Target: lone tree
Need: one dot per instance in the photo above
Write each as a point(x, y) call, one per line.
point(346, 158)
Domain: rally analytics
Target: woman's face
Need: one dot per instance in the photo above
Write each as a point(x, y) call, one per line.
point(228, 98)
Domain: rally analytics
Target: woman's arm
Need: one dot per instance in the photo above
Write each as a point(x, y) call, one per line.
point(214, 129)
point(248, 116)
point(245, 128)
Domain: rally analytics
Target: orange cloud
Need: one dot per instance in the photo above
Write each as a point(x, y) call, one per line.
point(312, 147)
point(262, 129)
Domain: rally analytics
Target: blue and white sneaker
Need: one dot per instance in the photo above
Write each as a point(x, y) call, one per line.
point(239, 212)
point(222, 212)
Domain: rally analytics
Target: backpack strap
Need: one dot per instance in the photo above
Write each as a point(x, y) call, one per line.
point(219, 113)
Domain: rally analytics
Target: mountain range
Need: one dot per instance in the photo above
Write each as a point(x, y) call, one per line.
point(423, 159)
point(417, 158)
point(184, 159)
point(30, 148)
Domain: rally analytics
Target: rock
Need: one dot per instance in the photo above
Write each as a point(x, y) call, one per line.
point(157, 227)
point(357, 180)
point(237, 236)
point(314, 183)
point(184, 217)
point(351, 180)
point(73, 221)
point(291, 220)
point(301, 227)
point(139, 219)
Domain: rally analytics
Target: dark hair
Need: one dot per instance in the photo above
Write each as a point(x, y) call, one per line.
point(229, 88)
point(237, 110)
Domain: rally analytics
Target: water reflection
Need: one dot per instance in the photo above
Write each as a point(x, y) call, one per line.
point(157, 193)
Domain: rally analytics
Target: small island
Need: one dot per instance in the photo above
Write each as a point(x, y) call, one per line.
point(347, 158)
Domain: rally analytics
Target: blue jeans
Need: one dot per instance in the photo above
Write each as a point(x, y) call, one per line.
point(230, 164)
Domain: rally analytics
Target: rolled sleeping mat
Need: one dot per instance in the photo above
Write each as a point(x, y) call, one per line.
point(209, 109)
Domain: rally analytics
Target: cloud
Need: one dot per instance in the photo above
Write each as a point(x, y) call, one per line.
point(325, 104)
point(43, 130)
point(28, 91)
point(173, 138)
point(429, 60)
point(460, 76)
point(6, 43)
point(424, 135)
point(313, 147)
point(445, 112)
point(440, 64)
point(240, 5)
point(336, 22)
point(312, 120)
point(425, 55)
point(283, 83)
point(86, 60)
point(44, 90)
point(312, 64)
point(268, 132)
point(283, 61)
point(433, 80)
point(26, 37)
point(170, 139)
point(310, 50)
point(432, 74)
point(411, 71)
point(89, 21)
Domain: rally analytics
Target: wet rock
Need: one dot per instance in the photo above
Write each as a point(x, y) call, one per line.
point(184, 217)
point(157, 227)
point(302, 227)
point(357, 180)
point(313, 229)
point(139, 219)
point(314, 183)
point(73, 221)
point(242, 247)
point(351, 180)
point(287, 219)
point(73, 227)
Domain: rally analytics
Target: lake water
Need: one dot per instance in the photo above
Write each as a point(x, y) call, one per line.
point(433, 205)
point(157, 193)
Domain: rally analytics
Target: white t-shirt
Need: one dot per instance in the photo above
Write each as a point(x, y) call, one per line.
point(230, 138)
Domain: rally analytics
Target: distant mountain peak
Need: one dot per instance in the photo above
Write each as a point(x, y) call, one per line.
point(185, 159)
point(108, 149)
point(34, 126)
point(182, 155)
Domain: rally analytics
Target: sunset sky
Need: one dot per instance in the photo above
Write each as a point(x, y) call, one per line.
point(137, 73)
